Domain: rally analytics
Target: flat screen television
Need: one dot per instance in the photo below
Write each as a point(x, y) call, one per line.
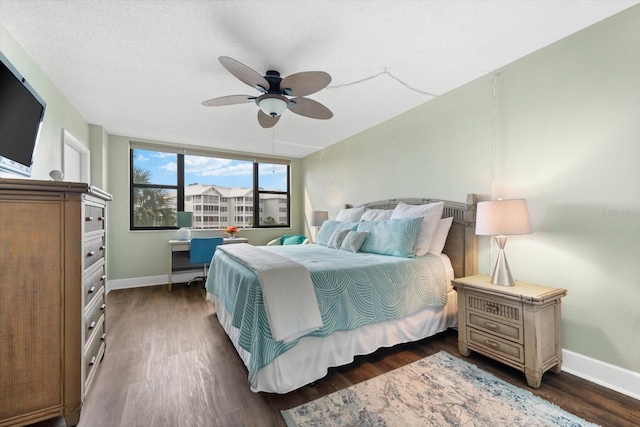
point(21, 115)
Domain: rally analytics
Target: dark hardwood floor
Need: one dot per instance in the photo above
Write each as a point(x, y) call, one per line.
point(169, 363)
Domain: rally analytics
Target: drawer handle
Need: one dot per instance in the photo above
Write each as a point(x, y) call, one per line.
point(93, 361)
point(491, 325)
point(491, 307)
point(89, 218)
point(492, 343)
point(102, 307)
point(100, 218)
point(102, 248)
point(92, 325)
point(92, 253)
point(91, 290)
point(103, 337)
point(103, 277)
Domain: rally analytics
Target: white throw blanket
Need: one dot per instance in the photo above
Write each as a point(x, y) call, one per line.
point(289, 298)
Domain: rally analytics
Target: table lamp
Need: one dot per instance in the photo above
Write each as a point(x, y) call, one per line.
point(501, 218)
point(185, 220)
point(318, 217)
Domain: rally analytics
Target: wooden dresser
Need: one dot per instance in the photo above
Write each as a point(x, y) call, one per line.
point(52, 297)
point(519, 325)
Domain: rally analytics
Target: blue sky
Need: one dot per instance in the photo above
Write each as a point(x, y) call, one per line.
point(210, 171)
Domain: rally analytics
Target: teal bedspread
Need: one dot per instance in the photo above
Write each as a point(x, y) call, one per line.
point(352, 290)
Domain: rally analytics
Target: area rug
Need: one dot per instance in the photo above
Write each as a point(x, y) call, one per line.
point(439, 390)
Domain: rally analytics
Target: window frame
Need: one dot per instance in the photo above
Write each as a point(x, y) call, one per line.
point(180, 187)
point(257, 192)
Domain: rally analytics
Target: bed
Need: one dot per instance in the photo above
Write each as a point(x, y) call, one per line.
point(365, 299)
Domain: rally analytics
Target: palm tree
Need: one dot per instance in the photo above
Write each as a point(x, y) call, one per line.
point(151, 204)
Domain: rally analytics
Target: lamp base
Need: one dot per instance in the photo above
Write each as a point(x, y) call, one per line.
point(184, 233)
point(501, 273)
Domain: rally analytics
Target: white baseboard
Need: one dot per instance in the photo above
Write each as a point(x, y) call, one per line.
point(602, 373)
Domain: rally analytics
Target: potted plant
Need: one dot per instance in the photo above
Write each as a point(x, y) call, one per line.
point(231, 231)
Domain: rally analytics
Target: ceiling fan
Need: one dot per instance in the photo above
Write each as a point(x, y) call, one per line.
point(276, 92)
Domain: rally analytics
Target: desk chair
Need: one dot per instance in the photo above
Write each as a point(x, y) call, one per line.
point(201, 252)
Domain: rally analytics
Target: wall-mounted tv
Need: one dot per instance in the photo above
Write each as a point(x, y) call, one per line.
point(21, 115)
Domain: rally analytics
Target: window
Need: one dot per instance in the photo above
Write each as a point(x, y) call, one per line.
point(272, 183)
point(154, 189)
point(165, 180)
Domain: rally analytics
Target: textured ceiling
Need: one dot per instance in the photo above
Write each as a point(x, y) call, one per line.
point(142, 68)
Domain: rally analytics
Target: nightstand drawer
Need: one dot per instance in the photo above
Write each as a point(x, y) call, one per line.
point(505, 310)
point(494, 326)
point(494, 345)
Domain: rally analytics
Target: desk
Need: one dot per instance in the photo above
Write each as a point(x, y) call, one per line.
point(183, 263)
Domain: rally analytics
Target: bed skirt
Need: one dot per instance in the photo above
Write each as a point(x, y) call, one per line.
point(311, 358)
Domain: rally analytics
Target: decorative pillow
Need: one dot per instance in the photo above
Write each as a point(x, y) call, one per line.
point(292, 240)
point(440, 236)
point(284, 237)
point(396, 237)
point(431, 213)
point(376, 214)
point(350, 215)
point(336, 238)
point(353, 241)
point(329, 226)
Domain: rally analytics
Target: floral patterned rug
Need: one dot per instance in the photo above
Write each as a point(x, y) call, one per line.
point(439, 390)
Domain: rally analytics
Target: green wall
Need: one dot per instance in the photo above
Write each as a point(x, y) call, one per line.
point(60, 114)
point(566, 138)
point(145, 254)
point(139, 257)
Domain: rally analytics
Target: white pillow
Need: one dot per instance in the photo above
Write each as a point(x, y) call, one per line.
point(440, 236)
point(431, 212)
point(350, 215)
point(376, 215)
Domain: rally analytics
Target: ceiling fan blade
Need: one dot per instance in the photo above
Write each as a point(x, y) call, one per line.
point(228, 100)
point(310, 108)
point(244, 73)
point(305, 83)
point(266, 121)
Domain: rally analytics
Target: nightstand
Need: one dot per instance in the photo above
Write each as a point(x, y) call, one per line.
point(519, 325)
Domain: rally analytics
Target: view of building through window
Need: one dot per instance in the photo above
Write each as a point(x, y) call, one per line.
point(220, 192)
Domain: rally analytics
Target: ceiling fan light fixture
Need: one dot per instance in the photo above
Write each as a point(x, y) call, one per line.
point(272, 106)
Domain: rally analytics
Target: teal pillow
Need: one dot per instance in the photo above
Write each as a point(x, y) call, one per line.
point(395, 237)
point(328, 227)
point(281, 239)
point(292, 240)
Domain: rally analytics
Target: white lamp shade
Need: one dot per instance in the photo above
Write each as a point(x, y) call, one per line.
point(273, 106)
point(318, 217)
point(503, 217)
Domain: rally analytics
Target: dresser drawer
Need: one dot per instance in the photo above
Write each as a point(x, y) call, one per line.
point(489, 344)
point(93, 316)
point(498, 309)
point(94, 218)
point(93, 283)
point(495, 326)
point(93, 351)
point(94, 250)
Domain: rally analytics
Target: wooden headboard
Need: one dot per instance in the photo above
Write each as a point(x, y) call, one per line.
point(462, 244)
